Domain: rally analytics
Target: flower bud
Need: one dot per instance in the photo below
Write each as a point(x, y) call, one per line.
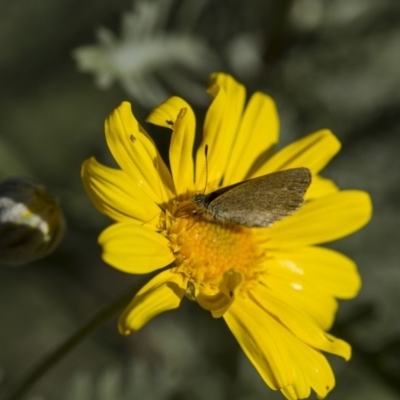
point(31, 221)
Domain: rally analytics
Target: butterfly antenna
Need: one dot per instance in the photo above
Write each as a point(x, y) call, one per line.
point(206, 155)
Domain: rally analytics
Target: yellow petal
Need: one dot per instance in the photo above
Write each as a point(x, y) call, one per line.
point(323, 220)
point(298, 322)
point(262, 339)
point(116, 195)
point(314, 370)
point(137, 155)
point(162, 293)
point(135, 249)
point(321, 267)
point(313, 151)
point(257, 136)
point(284, 361)
point(320, 187)
point(320, 374)
point(313, 300)
point(220, 128)
point(177, 115)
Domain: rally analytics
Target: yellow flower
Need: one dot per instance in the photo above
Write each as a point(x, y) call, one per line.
point(274, 288)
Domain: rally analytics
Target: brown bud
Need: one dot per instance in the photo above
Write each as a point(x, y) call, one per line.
point(31, 221)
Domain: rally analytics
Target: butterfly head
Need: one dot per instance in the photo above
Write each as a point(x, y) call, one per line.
point(200, 200)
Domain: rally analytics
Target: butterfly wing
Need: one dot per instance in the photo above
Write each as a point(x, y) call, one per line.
point(261, 201)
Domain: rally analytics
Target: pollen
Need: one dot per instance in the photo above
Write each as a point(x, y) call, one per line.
point(207, 251)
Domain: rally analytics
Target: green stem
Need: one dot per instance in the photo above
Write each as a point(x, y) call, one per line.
point(99, 319)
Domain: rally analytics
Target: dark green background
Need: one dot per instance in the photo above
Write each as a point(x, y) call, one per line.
point(327, 63)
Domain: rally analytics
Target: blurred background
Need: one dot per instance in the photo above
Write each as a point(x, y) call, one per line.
point(64, 65)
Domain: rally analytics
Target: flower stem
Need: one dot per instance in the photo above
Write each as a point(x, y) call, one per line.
point(21, 387)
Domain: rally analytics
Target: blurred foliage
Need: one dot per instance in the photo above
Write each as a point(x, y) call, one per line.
point(327, 63)
point(147, 51)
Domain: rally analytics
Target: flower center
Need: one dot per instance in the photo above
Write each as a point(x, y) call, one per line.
point(207, 252)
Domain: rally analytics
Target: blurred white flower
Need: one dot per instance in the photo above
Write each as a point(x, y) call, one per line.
point(148, 59)
point(244, 55)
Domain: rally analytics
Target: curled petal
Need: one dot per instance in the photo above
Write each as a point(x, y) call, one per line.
point(162, 293)
point(221, 301)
